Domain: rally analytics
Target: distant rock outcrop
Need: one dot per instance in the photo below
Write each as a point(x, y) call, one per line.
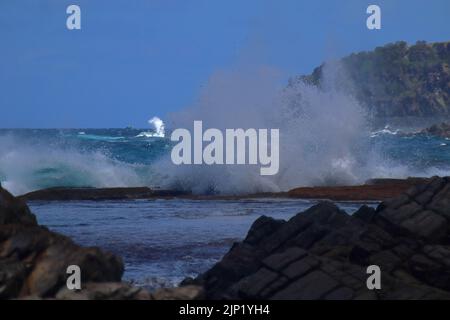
point(396, 80)
point(439, 130)
point(323, 253)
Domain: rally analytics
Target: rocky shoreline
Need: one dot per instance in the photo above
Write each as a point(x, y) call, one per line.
point(322, 253)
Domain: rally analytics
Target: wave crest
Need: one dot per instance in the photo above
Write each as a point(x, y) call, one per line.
point(27, 166)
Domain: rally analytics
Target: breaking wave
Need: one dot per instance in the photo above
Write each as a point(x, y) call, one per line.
point(29, 165)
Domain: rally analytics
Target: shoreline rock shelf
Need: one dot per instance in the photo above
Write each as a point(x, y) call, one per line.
point(373, 190)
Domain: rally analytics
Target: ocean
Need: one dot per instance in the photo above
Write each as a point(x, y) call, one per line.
point(164, 241)
point(32, 159)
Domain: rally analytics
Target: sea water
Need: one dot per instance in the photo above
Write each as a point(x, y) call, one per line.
point(164, 241)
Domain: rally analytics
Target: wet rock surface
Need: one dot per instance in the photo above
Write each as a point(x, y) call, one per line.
point(323, 253)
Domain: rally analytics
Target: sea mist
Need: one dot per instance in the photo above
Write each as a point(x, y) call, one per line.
point(323, 132)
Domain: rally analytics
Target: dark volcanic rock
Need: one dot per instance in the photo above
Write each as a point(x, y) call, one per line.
point(323, 253)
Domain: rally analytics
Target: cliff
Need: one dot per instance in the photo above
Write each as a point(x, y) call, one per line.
point(396, 80)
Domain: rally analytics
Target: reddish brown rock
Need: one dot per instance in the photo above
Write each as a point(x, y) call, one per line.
point(377, 189)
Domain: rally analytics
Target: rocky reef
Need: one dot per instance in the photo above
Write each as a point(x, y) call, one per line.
point(375, 189)
point(34, 261)
point(323, 253)
point(440, 130)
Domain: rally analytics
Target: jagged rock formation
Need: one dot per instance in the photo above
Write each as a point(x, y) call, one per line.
point(34, 261)
point(396, 80)
point(323, 253)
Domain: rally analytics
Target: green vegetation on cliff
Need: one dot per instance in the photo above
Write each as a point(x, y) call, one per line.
point(397, 79)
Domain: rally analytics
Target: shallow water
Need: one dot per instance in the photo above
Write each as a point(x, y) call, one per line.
point(164, 241)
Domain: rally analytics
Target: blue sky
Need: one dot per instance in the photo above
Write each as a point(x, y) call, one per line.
point(137, 58)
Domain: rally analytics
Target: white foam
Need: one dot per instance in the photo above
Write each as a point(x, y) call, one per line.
point(26, 166)
point(386, 130)
point(158, 129)
point(323, 132)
